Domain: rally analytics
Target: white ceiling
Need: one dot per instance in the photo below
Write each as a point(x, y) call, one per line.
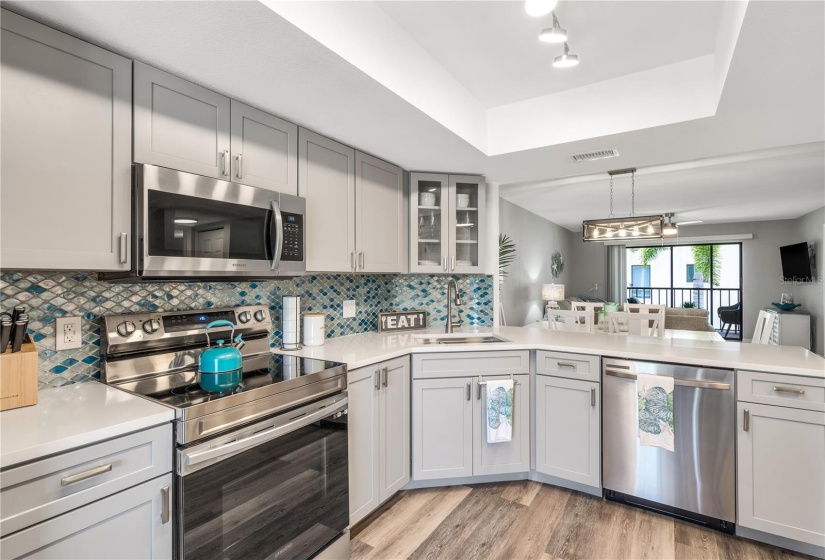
point(492, 48)
point(249, 52)
point(771, 184)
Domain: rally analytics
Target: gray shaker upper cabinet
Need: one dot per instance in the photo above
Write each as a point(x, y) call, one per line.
point(380, 216)
point(180, 125)
point(264, 150)
point(66, 158)
point(327, 180)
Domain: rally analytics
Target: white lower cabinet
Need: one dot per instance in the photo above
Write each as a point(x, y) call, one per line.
point(379, 434)
point(568, 429)
point(780, 462)
point(134, 523)
point(442, 428)
point(111, 499)
point(450, 430)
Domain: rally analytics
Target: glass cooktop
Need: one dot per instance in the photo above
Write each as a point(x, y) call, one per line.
point(259, 372)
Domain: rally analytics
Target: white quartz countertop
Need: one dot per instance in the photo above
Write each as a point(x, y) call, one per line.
point(361, 350)
point(73, 416)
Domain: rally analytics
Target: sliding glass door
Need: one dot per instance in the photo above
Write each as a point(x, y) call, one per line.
point(691, 276)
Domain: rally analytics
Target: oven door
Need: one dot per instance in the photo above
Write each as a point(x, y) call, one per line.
point(276, 489)
point(190, 225)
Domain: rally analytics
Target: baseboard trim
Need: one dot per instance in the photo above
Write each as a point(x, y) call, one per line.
point(464, 480)
point(782, 542)
point(554, 481)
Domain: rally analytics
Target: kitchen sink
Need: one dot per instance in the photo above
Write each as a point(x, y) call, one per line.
point(458, 339)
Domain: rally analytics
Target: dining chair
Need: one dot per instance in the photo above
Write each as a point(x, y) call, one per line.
point(647, 308)
point(592, 306)
point(563, 320)
point(644, 324)
point(764, 326)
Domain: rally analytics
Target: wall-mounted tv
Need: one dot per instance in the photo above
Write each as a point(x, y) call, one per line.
point(796, 263)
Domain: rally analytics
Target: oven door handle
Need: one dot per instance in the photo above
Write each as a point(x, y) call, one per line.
point(278, 239)
point(296, 422)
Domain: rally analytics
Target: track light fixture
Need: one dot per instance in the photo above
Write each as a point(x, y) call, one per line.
point(539, 8)
point(566, 60)
point(553, 34)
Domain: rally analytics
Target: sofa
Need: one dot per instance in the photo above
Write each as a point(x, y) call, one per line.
point(687, 319)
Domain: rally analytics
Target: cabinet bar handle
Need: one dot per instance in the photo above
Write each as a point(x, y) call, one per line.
point(165, 507)
point(469, 391)
point(452, 262)
point(747, 421)
point(352, 261)
point(789, 390)
point(124, 247)
point(566, 364)
point(85, 475)
point(384, 376)
point(377, 379)
point(445, 263)
point(225, 159)
point(240, 165)
point(592, 396)
point(361, 259)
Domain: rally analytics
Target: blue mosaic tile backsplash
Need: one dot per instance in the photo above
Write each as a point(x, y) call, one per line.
point(48, 295)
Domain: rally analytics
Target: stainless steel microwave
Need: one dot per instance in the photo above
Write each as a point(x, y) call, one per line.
point(186, 226)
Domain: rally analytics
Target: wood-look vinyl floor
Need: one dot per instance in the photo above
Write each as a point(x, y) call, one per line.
point(529, 520)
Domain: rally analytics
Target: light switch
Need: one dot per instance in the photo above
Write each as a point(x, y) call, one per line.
point(349, 308)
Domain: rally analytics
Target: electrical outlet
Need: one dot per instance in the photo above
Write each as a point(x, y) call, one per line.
point(67, 333)
point(349, 308)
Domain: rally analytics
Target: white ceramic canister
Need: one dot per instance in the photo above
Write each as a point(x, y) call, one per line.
point(314, 329)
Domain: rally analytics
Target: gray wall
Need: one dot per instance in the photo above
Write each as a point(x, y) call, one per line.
point(536, 239)
point(588, 268)
point(761, 267)
point(811, 228)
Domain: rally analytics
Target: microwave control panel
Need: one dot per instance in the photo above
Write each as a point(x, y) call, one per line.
point(293, 237)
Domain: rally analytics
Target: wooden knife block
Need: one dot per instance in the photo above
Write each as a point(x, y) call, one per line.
point(18, 377)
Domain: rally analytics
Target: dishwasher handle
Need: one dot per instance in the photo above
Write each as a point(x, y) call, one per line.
point(679, 382)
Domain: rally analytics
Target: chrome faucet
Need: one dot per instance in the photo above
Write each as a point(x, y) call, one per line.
point(451, 285)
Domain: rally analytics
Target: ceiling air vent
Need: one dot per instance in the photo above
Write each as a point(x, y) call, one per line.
point(592, 156)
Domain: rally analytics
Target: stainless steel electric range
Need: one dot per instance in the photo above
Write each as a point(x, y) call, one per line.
point(262, 469)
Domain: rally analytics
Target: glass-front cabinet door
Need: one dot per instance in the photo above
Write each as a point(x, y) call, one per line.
point(429, 220)
point(467, 224)
point(447, 222)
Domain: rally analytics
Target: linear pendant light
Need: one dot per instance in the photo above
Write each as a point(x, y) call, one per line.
point(630, 228)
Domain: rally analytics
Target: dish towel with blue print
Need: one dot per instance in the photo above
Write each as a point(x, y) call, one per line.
point(655, 399)
point(500, 411)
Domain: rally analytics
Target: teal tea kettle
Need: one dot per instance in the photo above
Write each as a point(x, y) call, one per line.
point(221, 367)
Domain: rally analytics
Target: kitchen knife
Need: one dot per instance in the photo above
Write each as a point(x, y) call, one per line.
point(17, 312)
point(19, 335)
point(5, 334)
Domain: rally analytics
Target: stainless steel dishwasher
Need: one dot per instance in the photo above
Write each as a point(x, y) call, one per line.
point(694, 481)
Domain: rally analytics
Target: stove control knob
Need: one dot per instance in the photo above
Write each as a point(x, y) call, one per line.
point(151, 326)
point(125, 328)
point(259, 315)
point(244, 316)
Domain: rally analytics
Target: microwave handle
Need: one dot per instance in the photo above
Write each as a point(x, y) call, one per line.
point(278, 238)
